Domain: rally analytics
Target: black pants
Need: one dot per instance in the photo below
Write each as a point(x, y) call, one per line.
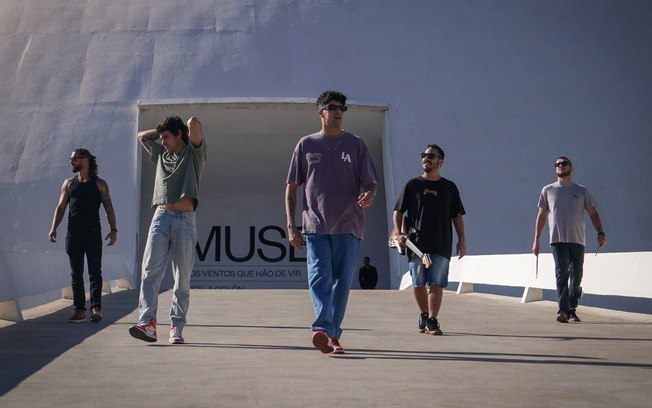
point(90, 245)
point(569, 268)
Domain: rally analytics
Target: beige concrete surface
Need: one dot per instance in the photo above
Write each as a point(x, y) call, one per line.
point(252, 349)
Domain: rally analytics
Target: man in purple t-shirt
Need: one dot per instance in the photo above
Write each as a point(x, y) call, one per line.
point(340, 180)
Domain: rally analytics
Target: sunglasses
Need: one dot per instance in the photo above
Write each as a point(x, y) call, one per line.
point(332, 107)
point(562, 164)
point(73, 158)
point(430, 156)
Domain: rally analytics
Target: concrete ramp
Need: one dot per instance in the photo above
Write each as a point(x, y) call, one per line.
point(252, 349)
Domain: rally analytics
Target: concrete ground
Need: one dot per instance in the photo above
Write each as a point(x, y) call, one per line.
point(252, 349)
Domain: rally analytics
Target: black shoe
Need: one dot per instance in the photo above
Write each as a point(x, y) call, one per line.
point(574, 317)
point(432, 326)
point(562, 317)
point(422, 322)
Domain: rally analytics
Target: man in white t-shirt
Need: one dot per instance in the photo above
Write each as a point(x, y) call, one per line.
point(563, 203)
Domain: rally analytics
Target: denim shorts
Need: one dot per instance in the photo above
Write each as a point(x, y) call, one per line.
point(437, 274)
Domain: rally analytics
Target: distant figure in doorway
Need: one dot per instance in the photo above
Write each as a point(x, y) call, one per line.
point(430, 205)
point(179, 158)
point(563, 203)
point(340, 181)
point(83, 194)
point(368, 275)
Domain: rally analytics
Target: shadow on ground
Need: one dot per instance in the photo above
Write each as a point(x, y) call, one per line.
point(32, 344)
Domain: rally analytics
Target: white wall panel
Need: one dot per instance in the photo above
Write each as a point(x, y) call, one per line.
point(503, 86)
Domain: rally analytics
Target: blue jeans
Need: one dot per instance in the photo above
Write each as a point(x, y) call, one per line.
point(569, 264)
point(78, 245)
point(172, 237)
point(437, 274)
point(331, 267)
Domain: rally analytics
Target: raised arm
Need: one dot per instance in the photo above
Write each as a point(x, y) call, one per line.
point(60, 210)
point(147, 137)
point(195, 131)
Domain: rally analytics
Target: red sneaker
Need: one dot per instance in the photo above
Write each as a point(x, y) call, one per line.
point(320, 341)
point(337, 347)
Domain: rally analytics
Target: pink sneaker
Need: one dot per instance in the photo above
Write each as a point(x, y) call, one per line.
point(337, 347)
point(175, 335)
point(320, 341)
point(144, 331)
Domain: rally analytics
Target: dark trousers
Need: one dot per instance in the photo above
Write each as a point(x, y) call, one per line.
point(569, 267)
point(78, 246)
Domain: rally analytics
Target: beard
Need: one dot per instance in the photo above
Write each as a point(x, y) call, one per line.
point(75, 169)
point(564, 173)
point(428, 167)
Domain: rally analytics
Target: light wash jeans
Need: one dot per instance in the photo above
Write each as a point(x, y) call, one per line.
point(172, 237)
point(331, 267)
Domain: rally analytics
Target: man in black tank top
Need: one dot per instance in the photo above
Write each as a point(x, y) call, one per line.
point(83, 194)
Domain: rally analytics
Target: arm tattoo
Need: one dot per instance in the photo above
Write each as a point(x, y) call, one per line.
point(291, 207)
point(104, 194)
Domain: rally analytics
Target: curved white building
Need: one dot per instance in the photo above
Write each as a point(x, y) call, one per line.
point(503, 86)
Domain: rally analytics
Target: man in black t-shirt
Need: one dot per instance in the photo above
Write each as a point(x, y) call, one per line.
point(425, 210)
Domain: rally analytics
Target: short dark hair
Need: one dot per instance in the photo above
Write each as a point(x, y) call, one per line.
point(92, 162)
point(328, 96)
point(436, 147)
point(174, 125)
point(570, 163)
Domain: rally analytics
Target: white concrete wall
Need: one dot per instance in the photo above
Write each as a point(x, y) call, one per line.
point(504, 86)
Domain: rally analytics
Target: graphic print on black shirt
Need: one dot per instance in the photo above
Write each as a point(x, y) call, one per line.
point(429, 207)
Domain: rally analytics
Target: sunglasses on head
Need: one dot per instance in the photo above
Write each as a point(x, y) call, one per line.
point(332, 107)
point(430, 156)
point(562, 164)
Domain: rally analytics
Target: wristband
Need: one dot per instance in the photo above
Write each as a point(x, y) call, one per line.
point(600, 233)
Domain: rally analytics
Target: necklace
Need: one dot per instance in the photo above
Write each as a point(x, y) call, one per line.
point(339, 137)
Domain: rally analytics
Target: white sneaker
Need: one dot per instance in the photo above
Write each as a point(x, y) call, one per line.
point(144, 331)
point(175, 335)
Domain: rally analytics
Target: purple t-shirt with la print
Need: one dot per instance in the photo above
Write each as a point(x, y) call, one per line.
point(334, 171)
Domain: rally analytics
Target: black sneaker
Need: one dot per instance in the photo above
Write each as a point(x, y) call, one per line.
point(432, 326)
point(562, 317)
point(422, 322)
point(574, 317)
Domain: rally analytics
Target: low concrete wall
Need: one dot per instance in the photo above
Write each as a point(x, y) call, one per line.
point(615, 274)
point(26, 274)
